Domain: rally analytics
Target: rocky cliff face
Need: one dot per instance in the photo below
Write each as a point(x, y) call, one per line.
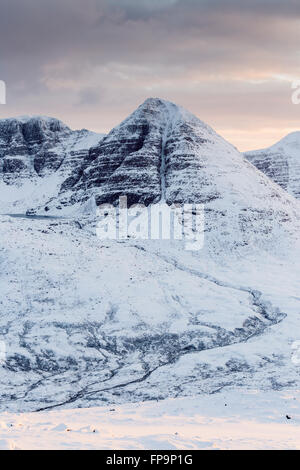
point(162, 153)
point(31, 147)
point(129, 160)
point(158, 153)
point(37, 156)
point(281, 162)
point(38, 146)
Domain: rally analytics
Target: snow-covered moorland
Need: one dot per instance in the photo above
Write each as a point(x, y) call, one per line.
point(235, 419)
point(89, 322)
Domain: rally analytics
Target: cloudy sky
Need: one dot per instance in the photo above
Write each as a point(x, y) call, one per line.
point(92, 62)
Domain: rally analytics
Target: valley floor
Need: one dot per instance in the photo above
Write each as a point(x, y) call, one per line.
point(235, 419)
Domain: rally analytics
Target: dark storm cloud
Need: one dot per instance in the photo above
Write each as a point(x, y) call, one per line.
point(38, 32)
point(44, 30)
point(58, 55)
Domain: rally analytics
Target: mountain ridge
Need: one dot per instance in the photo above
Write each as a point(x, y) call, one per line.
point(280, 162)
point(160, 153)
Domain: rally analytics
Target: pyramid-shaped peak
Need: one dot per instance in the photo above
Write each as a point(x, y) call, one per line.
point(154, 101)
point(158, 105)
point(165, 105)
point(159, 111)
point(158, 102)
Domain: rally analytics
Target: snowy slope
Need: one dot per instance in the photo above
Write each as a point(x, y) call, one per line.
point(281, 162)
point(88, 322)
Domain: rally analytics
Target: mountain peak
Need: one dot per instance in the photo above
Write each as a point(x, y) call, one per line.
point(163, 154)
point(155, 101)
point(281, 162)
point(167, 113)
point(158, 104)
point(160, 153)
point(291, 139)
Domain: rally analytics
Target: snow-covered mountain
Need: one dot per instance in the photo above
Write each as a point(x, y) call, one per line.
point(281, 162)
point(38, 154)
point(88, 321)
point(163, 153)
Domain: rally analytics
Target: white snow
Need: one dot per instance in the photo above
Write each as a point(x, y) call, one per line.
point(76, 306)
point(89, 322)
point(236, 419)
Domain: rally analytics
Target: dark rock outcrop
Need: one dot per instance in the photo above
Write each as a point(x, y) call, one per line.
point(37, 147)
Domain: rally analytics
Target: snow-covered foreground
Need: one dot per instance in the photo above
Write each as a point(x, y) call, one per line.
point(235, 419)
